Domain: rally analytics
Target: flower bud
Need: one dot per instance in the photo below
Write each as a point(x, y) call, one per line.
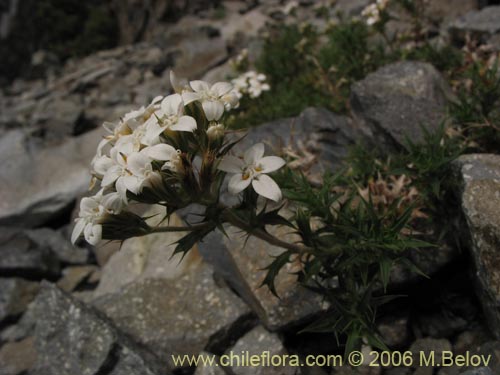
point(215, 132)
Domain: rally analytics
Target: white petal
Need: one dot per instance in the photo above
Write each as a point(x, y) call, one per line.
point(132, 183)
point(221, 88)
point(160, 152)
point(93, 233)
point(189, 97)
point(231, 164)
point(113, 202)
point(77, 230)
point(111, 175)
point(137, 163)
point(254, 153)
point(271, 163)
point(121, 189)
point(102, 164)
point(199, 86)
point(184, 124)
point(265, 186)
point(172, 104)
point(237, 183)
point(213, 109)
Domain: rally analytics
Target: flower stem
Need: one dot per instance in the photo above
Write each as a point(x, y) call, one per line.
point(188, 228)
point(231, 218)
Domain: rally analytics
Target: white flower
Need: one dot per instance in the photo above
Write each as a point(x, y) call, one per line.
point(169, 117)
point(179, 85)
point(119, 175)
point(89, 221)
point(253, 169)
point(251, 83)
point(372, 14)
point(213, 98)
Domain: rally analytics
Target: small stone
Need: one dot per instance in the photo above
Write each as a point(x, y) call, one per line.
point(394, 331)
point(16, 358)
point(429, 345)
point(481, 24)
point(255, 343)
point(201, 369)
point(74, 276)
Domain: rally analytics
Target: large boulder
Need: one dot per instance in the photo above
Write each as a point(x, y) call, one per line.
point(72, 338)
point(180, 316)
point(396, 101)
point(479, 186)
point(15, 295)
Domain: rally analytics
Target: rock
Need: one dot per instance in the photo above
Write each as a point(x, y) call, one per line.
point(428, 345)
point(147, 257)
point(72, 338)
point(241, 263)
point(15, 295)
point(325, 135)
point(182, 316)
point(479, 185)
point(255, 343)
point(202, 369)
point(19, 256)
point(481, 24)
point(74, 276)
point(17, 358)
point(439, 10)
point(396, 100)
point(59, 244)
point(478, 371)
point(36, 186)
point(395, 331)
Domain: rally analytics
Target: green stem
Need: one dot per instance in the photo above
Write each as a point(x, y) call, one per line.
point(231, 218)
point(188, 228)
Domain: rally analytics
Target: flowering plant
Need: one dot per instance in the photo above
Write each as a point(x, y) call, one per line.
point(177, 152)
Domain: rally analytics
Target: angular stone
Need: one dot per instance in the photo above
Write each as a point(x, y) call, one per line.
point(182, 316)
point(479, 189)
point(17, 358)
point(36, 184)
point(481, 24)
point(74, 276)
point(202, 369)
point(255, 343)
point(15, 295)
point(428, 345)
point(241, 263)
point(72, 338)
point(19, 256)
point(147, 257)
point(396, 100)
point(320, 132)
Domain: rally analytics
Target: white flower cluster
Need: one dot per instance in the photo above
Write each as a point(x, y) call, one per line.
point(372, 12)
point(251, 83)
point(136, 153)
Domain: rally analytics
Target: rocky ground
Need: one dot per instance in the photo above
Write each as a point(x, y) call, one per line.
point(82, 310)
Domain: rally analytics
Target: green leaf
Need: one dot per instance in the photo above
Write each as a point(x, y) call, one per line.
point(273, 269)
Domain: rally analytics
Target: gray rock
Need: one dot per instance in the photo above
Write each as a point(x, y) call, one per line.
point(15, 295)
point(147, 257)
point(396, 100)
point(428, 345)
point(395, 331)
point(180, 316)
point(479, 371)
point(59, 244)
point(19, 256)
point(256, 342)
point(481, 24)
point(202, 369)
point(72, 338)
point(36, 185)
point(316, 130)
point(241, 263)
point(479, 181)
